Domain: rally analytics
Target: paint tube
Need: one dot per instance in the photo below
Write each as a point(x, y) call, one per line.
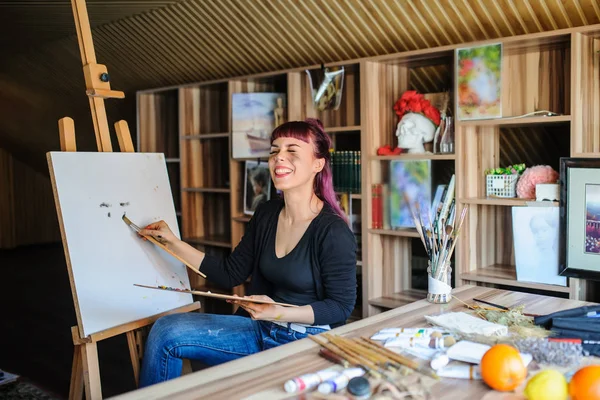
point(470, 372)
point(340, 381)
point(309, 381)
point(390, 333)
point(439, 360)
point(407, 341)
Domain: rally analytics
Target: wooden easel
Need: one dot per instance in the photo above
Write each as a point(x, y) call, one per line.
point(85, 370)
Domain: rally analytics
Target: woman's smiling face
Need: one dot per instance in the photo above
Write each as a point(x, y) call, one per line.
point(292, 163)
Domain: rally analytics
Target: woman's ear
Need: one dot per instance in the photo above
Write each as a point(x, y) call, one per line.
point(319, 164)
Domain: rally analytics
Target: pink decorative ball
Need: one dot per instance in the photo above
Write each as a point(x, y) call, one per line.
point(531, 177)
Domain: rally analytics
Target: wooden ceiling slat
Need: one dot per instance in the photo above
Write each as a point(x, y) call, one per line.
point(170, 46)
point(542, 4)
point(278, 59)
point(563, 13)
point(511, 30)
point(154, 35)
point(473, 16)
point(463, 24)
point(201, 50)
point(596, 9)
point(381, 18)
point(424, 23)
point(339, 26)
point(297, 43)
point(141, 62)
point(219, 33)
point(343, 19)
point(580, 12)
point(408, 19)
point(284, 40)
point(129, 31)
point(490, 20)
point(331, 49)
point(400, 24)
point(533, 15)
point(516, 14)
point(365, 19)
point(374, 22)
point(240, 36)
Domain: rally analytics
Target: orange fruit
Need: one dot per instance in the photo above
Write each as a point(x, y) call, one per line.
point(502, 368)
point(585, 384)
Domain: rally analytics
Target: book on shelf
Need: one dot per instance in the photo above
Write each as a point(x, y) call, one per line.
point(380, 210)
point(346, 170)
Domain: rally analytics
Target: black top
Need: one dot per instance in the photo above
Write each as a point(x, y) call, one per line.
point(291, 275)
point(327, 250)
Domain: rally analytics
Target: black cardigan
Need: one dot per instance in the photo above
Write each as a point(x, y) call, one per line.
point(333, 258)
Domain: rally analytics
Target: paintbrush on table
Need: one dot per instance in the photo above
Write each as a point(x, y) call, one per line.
point(161, 245)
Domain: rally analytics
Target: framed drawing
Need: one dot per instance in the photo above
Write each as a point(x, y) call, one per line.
point(580, 218)
point(253, 118)
point(536, 233)
point(479, 83)
point(257, 189)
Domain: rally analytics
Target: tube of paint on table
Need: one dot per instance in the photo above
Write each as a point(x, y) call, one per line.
point(389, 333)
point(434, 343)
point(309, 381)
point(439, 360)
point(470, 372)
point(341, 381)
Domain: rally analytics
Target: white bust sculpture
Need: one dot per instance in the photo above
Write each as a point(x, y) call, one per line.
point(413, 130)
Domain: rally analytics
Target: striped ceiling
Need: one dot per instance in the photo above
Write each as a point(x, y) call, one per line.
point(148, 44)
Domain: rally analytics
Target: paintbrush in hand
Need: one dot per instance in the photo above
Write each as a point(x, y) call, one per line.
point(161, 245)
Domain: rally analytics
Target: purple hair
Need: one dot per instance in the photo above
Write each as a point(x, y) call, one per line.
point(312, 130)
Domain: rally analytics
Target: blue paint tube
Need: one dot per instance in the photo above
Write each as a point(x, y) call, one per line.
point(341, 381)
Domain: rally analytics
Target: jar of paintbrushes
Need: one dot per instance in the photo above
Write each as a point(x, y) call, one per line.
point(439, 232)
point(439, 284)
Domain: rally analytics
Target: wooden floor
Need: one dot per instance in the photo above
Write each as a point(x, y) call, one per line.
point(37, 313)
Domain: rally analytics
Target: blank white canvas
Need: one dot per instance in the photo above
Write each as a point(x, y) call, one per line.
point(107, 256)
point(536, 234)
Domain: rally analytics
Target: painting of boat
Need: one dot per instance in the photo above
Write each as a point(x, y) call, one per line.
point(252, 121)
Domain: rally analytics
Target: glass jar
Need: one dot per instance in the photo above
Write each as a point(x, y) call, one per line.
point(439, 285)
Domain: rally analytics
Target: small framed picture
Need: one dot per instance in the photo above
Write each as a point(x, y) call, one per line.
point(478, 81)
point(580, 217)
point(257, 189)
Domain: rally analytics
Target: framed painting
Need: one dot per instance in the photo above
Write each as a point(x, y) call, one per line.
point(580, 218)
point(257, 188)
point(479, 82)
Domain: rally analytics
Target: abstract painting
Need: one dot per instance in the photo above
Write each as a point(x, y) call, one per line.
point(479, 72)
point(410, 183)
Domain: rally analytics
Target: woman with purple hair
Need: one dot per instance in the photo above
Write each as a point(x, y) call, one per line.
point(298, 249)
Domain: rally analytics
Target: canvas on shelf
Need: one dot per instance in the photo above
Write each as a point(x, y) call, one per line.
point(536, 234)
point(257, 189)
point(253, 117)
point(410, 182)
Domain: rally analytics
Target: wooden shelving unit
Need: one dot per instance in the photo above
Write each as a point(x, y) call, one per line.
point(555, 71)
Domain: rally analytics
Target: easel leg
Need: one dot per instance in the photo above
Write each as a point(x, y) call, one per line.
point(91, 371)
point(76, 387)
point(135, 358)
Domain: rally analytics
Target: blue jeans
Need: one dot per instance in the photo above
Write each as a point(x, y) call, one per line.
point(209, 338)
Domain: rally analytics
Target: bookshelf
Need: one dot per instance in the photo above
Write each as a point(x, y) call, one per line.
point(555, 70)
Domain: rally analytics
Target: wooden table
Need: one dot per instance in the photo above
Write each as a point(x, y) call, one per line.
point(261, 376)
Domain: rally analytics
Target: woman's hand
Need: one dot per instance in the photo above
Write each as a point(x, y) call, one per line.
point(265, 312)
point(161, 232)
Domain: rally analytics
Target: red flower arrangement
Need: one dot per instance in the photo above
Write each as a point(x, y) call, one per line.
point(413, 102)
